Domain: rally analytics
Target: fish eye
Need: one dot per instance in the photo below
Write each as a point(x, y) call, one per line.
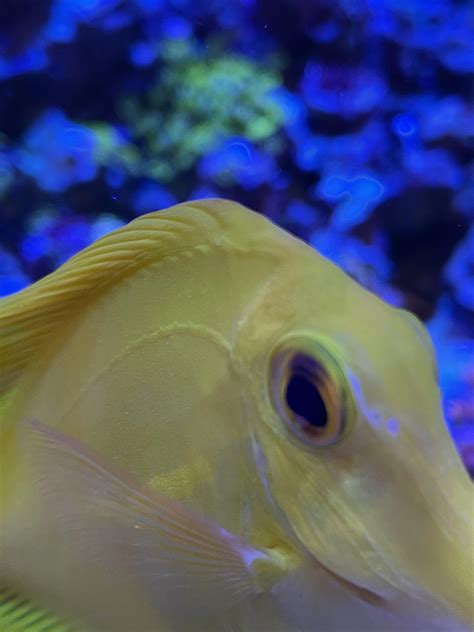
point(310, 391)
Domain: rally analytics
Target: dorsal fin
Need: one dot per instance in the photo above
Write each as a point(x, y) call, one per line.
point(29, 317)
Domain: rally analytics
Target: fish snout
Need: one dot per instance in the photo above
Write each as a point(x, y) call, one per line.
point(439, 585)
point(451, 581)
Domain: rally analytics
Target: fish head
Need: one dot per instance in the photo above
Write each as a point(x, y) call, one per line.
point(351, 444)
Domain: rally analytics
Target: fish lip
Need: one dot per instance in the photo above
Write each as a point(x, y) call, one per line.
point(363, 594)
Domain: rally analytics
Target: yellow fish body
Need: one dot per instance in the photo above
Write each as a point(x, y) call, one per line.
point(205, 425)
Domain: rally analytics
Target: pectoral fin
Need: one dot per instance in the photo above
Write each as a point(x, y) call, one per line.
point(190, 566)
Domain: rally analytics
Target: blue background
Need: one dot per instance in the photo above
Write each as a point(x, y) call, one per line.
point(348, 122)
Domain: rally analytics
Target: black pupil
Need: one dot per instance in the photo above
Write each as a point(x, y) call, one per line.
point(303, 398)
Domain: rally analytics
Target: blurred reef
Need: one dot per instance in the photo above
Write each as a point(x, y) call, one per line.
point(350, 123)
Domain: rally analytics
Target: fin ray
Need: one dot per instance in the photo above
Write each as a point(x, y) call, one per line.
point(176, 555)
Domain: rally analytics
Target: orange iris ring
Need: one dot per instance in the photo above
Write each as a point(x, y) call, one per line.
point(331, 382)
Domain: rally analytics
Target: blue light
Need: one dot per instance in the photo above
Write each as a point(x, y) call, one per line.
point(13, 283)
point(32, 60)
point(57, 152)
point(290, 104)
point(176, 27)
point(34, 247)
point(115, 177)
point(359, 197)
point(12, 277)
point(326, 32)
point(464, 199)
point(115, 21)
point(105, 224)
point(448, 117)
point(309, 152)
point(334, 187)
point(341, 89)
point(143, 54)
point(150, 6)
point(301, 213)
point(365, 262)
point(151, 196)
point(460, 271)
point(73, 236)
point(404, 125)
point(202, 192)
point(237, 160)
point(435, 167)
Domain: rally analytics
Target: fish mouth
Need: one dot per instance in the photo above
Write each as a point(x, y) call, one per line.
point(364, 594)
point(375, 600)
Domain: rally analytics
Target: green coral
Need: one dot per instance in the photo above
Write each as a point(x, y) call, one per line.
point(112, 150)
point(196, 101)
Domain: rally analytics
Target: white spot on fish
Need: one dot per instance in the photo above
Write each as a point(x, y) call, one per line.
point(393, 426)
point(247, 554)
point(373, 416)
point(250, 555)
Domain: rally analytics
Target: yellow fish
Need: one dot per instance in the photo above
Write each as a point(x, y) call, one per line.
point(205, 425)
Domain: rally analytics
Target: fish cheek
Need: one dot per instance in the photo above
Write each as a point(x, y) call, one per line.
point(166, 409)
point(314, 491)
